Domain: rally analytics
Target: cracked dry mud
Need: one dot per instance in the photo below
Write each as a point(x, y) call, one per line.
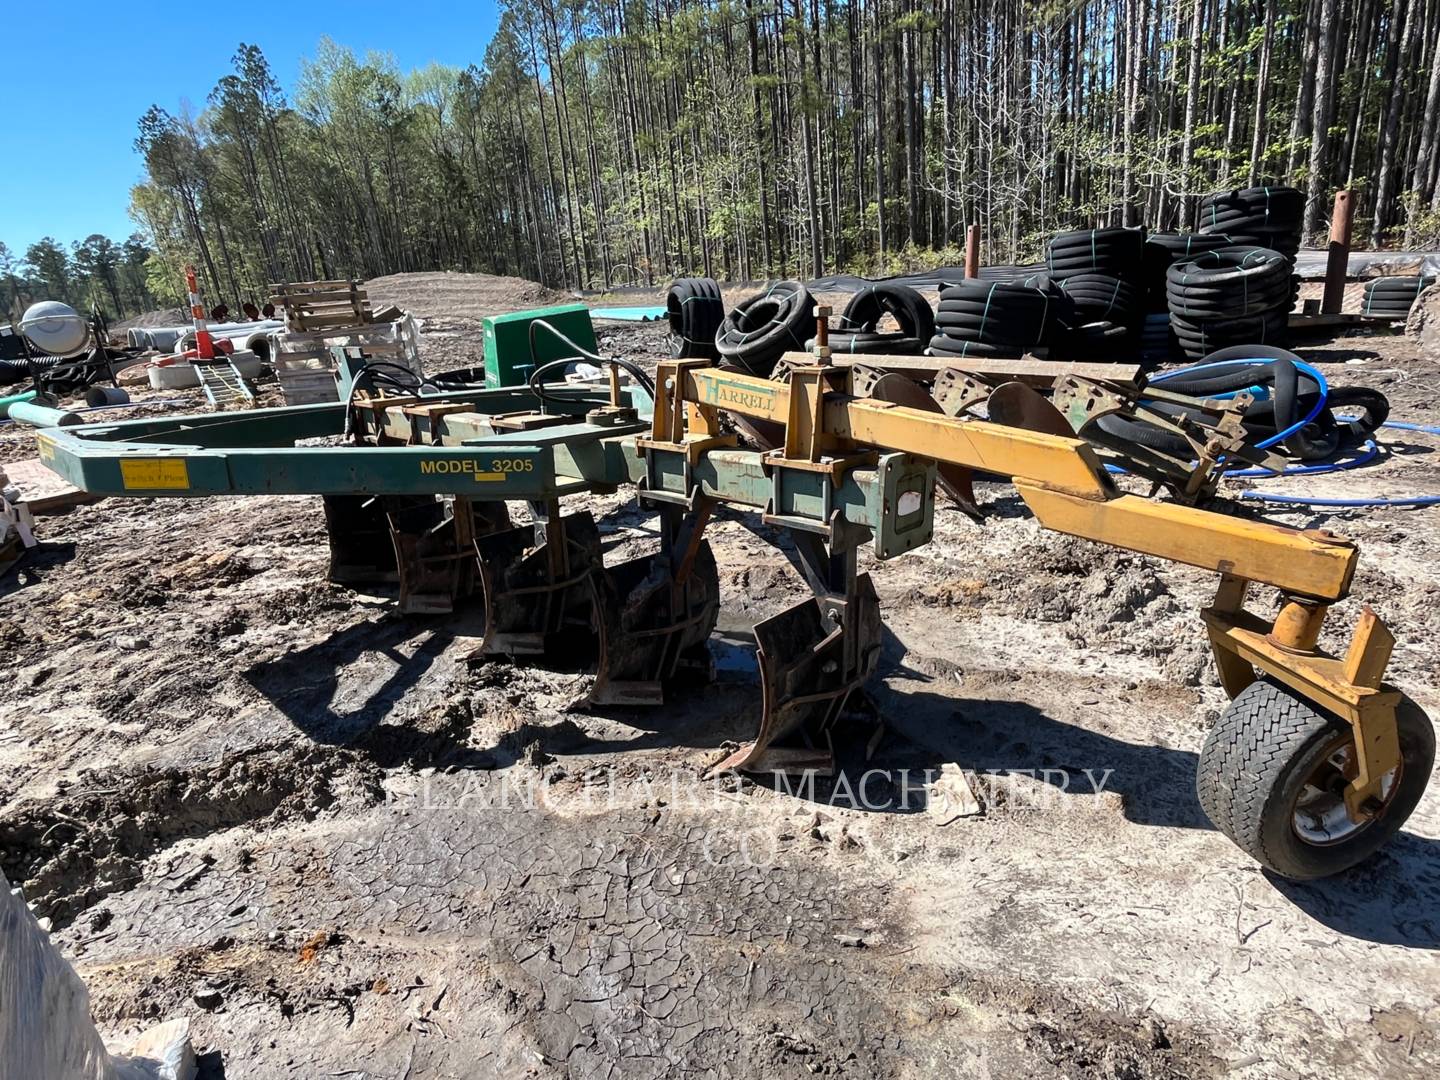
point(268, 803)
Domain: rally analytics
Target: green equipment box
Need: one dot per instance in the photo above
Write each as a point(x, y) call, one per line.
point(508, 359)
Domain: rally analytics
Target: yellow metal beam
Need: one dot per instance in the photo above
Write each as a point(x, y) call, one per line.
point(1066, 464)
point(1061, 481)
point(1040, 374)
point(743, 394)
point(1318, 676)
point(1285, 558)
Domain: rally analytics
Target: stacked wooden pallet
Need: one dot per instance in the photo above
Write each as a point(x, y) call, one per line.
point(302, 360)
point(317, 314)
point(321, 305)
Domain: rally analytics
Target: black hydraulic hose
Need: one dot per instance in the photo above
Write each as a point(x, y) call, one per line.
point(367, 379)
point(638, 373)
point(536, 383)
point(1374, 405)
point(1299, 394)
point(382, 369)
point(1138, 431)
point(1281, 372)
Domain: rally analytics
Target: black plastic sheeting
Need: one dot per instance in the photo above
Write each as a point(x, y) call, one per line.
point(1309, 264)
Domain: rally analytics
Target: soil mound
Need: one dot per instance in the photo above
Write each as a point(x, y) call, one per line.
point(448, 295)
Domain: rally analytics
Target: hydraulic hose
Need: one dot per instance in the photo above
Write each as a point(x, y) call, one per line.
point(1371, 450)
point(638, 373)
point(1313, 500)
point(1237, 372)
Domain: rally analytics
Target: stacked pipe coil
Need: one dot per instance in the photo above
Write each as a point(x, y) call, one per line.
point(695, 311)
point(1230, 296)
point(1268, 217)
point(754, 336)
point(1101, 272)
point(1112, 252)
point(859, 330)
point(1102, 298)
point(1164, 250)
point(1009, 273)
point(998, 318)
point(1157, 343)
point(1394, 295)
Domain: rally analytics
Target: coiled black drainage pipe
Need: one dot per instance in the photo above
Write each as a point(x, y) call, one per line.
point(695, 310)
point(760, 330)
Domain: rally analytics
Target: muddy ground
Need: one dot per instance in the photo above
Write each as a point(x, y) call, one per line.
point(268, 803)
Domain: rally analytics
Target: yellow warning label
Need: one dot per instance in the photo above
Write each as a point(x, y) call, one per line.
point(47, 448)
point(152, 474)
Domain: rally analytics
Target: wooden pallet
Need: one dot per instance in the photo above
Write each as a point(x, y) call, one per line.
point(306, 378)
point(43, 490)
point(306, 369)
point(312, 306)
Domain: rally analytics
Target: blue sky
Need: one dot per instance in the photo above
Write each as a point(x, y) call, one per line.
point(91, 69)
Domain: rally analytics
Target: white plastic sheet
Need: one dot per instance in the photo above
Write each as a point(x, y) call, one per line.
point(45, 1028)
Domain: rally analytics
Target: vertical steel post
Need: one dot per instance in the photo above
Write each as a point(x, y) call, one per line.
point(972, 251)
point(1342, 220)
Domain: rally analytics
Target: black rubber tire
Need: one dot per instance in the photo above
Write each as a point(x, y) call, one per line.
point(1258, 756)
point(759, 331)
point(695, 310)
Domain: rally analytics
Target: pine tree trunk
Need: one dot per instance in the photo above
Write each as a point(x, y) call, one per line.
point(1324, 114)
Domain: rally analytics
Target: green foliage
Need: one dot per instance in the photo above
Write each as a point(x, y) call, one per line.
point(631, 139)
point(161, 276)
point(51, 267)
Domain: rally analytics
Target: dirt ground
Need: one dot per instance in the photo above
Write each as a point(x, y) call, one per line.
point(268, 803)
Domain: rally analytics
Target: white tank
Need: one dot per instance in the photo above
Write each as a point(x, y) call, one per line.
point(55, 328)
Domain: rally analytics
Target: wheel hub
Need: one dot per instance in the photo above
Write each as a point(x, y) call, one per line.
point(1319, 816)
